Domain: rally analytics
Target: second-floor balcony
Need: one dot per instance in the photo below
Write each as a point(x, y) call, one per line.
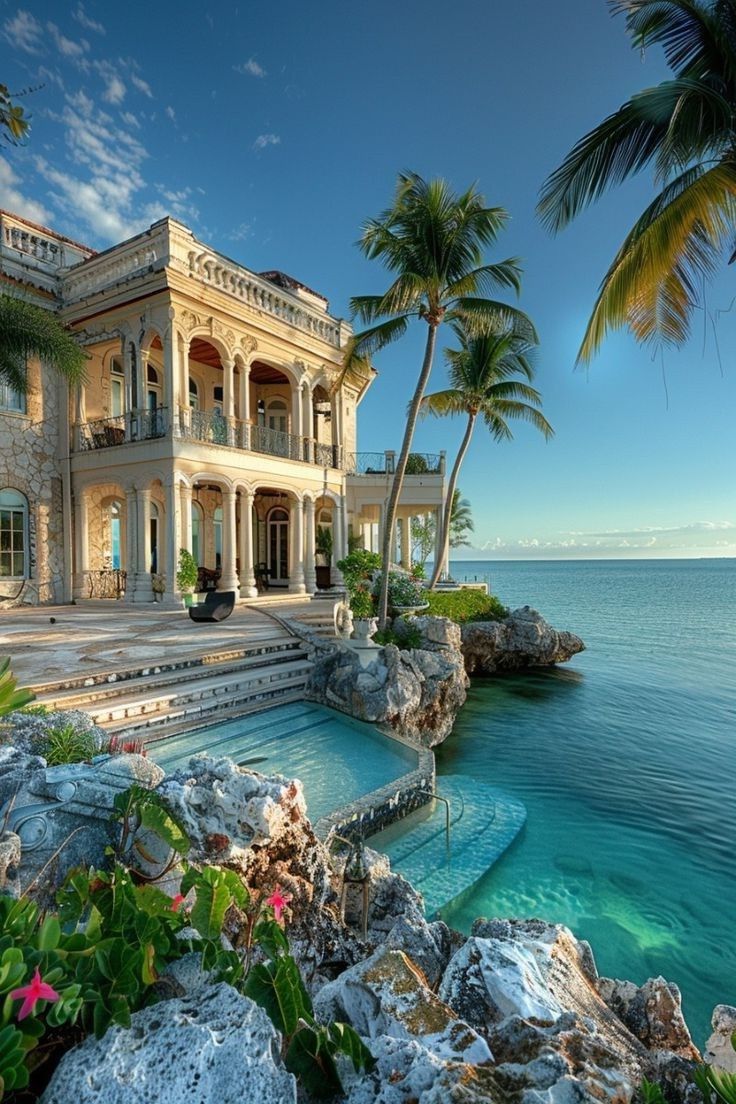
point(212, 428)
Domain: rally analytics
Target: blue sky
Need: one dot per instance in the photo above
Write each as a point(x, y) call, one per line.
point(274, 130)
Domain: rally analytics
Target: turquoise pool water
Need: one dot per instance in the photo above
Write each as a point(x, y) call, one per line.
point(337, 759)
point(626, 761)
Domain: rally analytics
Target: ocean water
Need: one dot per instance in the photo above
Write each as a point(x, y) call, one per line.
point(626, 760)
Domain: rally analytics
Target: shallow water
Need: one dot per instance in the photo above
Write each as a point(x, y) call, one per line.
point(626, 760)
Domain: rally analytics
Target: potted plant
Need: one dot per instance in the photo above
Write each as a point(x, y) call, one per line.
point(158, 586)
point(405, 593)
point(187, 575)
point(358, 570)
point(323, 556)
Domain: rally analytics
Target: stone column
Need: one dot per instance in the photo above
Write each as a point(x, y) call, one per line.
point(143, 588)
point(140, 399)
point(184, 412)
point(81, 543)
point(131, 508)
point(296, 571)
point(171, 598)
point(245, 404)
point(366, 535)
point(339, 544)
point(185, 495)
point(406, 543)
point(80, 416)
point(310, 575)
point(229, 576)
point(248, 588)
point(297, 410)
point(228, 396)
point(308, 423)
point(171, 375)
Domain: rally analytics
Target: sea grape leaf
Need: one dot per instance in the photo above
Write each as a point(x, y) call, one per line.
point(278, 988)
point(310, 1058)
point(347, 1041)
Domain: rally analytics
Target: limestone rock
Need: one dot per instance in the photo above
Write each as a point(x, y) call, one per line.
point(429, 946)
point(9, 864)
point(523, 639)
point(652, 1012)
point(416, 692)
point(29, 731)
point(438, 633)
point(533, 971)
point(62, 814)
point(215, 1046)
point(719, 1050)
point(387, 995)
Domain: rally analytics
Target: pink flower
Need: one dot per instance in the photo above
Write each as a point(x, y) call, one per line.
point(278, 902)
point(177, 901)
point(31, 994)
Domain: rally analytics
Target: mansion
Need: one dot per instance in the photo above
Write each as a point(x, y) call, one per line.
point(212, 418)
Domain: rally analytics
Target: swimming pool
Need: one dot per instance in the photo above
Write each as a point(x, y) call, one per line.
point(336, 758)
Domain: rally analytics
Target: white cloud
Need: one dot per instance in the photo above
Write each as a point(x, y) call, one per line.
point(251, 68)
point(264, 140)
point(130, 119)
point(170, 113)
point(84, 20)
point(14, 200)
point(66, 46)
point(241, 232)
point(24, 32)
point(142, 85)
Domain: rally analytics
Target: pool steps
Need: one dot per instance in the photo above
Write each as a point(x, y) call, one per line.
point(153, 701)
point(484, 822)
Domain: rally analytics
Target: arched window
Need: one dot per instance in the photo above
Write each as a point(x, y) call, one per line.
point(197, 534)
point(277, 415)
point(193, 394)
point(13, 401)
point(153, 388)
point(115, 536)
point(217, 532)
point(117, 388)
point(154, 537)
point(13, 535)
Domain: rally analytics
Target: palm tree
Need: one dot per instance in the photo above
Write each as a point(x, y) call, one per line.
point(14, 123)
point(684, 128)
point(28, 331)
point(461, 520)
point(484, 378)
point(432, 241)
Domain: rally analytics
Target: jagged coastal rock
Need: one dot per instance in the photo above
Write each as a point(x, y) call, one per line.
point(523, 639)
point(513, 1014)
point(417, 693)
point(719, 1050)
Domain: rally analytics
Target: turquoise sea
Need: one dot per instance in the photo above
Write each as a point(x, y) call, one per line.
point(626, 760)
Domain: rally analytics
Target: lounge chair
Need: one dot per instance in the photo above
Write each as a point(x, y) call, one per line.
point(218, 605)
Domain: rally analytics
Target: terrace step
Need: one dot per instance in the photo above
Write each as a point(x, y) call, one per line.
point(484, 822)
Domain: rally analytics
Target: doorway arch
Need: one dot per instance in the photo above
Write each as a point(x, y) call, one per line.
point(277, 545)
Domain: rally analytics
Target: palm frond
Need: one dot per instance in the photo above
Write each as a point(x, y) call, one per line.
point(482, 315)
point(654, 281)
point(29, 332)
point(694, 40)
point(440, 404)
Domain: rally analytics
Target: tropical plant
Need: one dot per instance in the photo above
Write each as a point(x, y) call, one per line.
point(432, 241)
point(461, 520)
point(11, 698)
point(14, 123)
point(323, 542)
point(188, 572)
point(684, 129)
point(403, 590)
point(465, 605)
point(423, 535)
point(69, 744)
point(484, 382)
point(27, 331)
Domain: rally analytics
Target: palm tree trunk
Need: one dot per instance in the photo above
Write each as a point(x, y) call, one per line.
point(447, 512)
point(398, 480)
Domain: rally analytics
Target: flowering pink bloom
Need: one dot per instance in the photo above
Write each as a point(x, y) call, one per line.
point(177, 901)
point(32, 993)
point(278, 902)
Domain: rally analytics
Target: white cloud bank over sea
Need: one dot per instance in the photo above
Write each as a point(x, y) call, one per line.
point(693, 540)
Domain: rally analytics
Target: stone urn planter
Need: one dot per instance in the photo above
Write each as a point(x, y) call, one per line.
point(409, 611)
point(363, 630)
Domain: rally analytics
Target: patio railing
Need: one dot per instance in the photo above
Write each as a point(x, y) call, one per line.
point(384, 463)
point(137, 425)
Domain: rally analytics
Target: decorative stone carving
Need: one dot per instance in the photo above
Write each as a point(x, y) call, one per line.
point(188, 320)
point(219, 330)
point(248, 344)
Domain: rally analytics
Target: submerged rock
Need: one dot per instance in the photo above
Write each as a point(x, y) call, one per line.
point(213, 1046)
point(523, 639)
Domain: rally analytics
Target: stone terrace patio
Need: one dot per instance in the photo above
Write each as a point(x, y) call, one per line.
point(98, 637)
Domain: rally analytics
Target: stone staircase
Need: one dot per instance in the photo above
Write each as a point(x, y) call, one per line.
point(152, 702)
point(317, 615)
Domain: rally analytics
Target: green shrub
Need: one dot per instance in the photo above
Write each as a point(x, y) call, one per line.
point(188, 573)
point(465, 605)
point(403, 590)
point(69, 745)
point(358, 569)
point(416, 464)
point(402, 633)
point(11, 698)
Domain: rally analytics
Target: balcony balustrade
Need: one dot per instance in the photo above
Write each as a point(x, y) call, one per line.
point(136, 425)
point(384, 463)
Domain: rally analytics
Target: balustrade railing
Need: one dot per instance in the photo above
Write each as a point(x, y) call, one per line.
point(136, 425)
point(384, 463)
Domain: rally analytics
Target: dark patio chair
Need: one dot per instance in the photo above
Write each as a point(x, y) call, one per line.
point(218, 605)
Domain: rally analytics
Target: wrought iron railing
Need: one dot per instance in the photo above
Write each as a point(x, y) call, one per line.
point(107, 583)
point(137, 425)
point(327, 456)
point(368, 463)
point(275, 442)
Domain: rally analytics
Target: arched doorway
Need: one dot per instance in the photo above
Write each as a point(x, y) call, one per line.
point(277, 545)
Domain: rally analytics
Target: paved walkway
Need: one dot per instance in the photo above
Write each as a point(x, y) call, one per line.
point(47, 642)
